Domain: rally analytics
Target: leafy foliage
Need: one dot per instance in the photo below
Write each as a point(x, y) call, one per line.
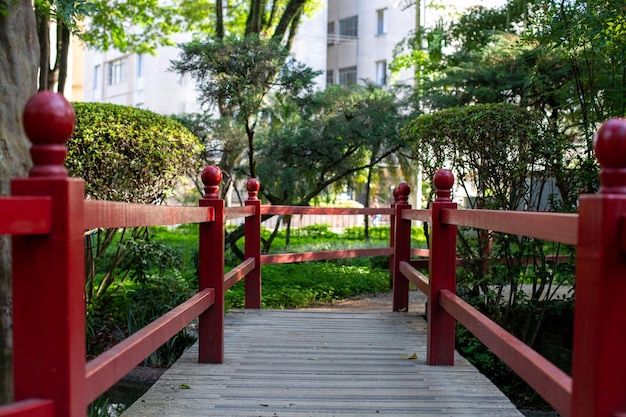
point(333, 135)
point(128, 154)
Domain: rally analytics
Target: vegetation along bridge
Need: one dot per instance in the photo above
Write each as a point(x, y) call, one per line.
point(255, 362)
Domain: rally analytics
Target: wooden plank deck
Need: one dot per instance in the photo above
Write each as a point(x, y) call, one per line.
point(322, 363)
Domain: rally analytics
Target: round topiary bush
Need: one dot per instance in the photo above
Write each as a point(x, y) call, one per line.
point(129, 154)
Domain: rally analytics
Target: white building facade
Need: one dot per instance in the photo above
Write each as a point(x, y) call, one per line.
point(347, 40)
point(361, 38)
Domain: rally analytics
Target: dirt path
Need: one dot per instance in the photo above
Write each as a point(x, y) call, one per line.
point(374, 302)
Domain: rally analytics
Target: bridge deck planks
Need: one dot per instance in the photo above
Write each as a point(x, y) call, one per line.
point(322, 363)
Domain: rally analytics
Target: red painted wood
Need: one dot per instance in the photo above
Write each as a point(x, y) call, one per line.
point(392, 238)
point(253, 246)
point(238, 212)
point(554, 385)
point(28, 408)
point(417, 215)
point(109, 215)
point(324, 210)
point(25, 215)
point(420, 252)
point(442, 273)
point(415, 277)
point(48, 281)
point(598, 365)
point(238, 273)
point(108, 368)
point(555, 227)
point(402, 249)
point(211, 271)
point(285, 258)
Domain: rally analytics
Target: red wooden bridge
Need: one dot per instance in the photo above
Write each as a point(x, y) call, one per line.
point(47, 216)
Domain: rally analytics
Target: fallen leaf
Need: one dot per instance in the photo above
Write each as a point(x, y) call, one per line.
point(409, 357)
point(184, 386)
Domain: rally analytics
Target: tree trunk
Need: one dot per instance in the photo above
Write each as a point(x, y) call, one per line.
point(43, 34)
point(63, 52)
point(19, 59)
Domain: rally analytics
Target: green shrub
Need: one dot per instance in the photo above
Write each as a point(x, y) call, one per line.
point(129, 154)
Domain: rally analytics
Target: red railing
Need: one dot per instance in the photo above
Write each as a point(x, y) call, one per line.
point(47, 216)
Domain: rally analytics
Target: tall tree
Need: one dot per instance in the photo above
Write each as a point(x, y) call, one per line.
point(128, 26)
point(19, 59)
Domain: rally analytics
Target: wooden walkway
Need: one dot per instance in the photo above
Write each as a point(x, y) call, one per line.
point(322, 363)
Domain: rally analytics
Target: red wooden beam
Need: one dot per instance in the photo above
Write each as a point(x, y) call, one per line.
point(441, 272)
point(598, 365)
point(28, 408)
point(25, 215)
point(418, 215)
point(109, 215)
point(330, 211)
point(49, 271)
point(211, 270)
point(554, 385)
point(238, 273)
point(105, 370)
point(417, 278)
point(238, 212)
point(555, 227)
point(284, 258)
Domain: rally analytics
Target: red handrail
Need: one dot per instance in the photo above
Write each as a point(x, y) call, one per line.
point(47, 215)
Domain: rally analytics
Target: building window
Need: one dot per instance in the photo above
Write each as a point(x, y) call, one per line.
point(330, 77)
point(381, 72)
point(381, 21)
point(139, 65)
point(347, 76)
point(349, 28)
point(331, 35)
point(96, 77)
point(117, 71)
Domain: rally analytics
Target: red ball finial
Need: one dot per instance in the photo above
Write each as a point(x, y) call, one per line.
point(211, 178)
point(253, 185)
point(48, 121)
point(396, 195)
point(443, 180)
point(404, 189)
point(610, 149)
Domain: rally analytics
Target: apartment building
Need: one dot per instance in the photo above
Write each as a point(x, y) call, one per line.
point(347, 40)
point(361, 37)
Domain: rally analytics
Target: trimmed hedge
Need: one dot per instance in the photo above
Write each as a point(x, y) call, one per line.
point(128, 154)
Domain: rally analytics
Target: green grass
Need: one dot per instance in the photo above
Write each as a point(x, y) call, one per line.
point(305, 284)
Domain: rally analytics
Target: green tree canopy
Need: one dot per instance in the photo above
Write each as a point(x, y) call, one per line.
point(332, 136)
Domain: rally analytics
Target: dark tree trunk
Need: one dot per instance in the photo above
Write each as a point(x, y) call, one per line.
point(43, 34)
point(63, 52)
point(219, 19)
point(19, 59)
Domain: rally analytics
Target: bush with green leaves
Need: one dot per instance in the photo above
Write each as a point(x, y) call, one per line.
point(128, 154)
point(131, 155)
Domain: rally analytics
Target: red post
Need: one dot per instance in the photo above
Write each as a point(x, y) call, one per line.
point(253, 245)
point(49, 271)
point(211, 270)
point(402, 248)
point(442, 273)
point(599, 339)
point(392, 235)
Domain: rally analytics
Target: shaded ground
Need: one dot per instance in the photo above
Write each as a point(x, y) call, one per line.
point(374, 302)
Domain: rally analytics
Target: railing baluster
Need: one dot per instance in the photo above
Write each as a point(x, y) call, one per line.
point(402, 248)
point(599, 322)
point(442, 272)
point(49, 271)
point(253, 245)
point(211, 270)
